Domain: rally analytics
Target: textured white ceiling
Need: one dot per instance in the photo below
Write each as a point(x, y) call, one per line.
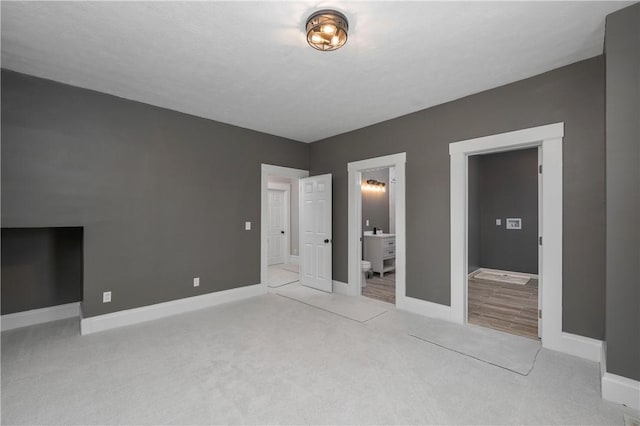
point(248, 64)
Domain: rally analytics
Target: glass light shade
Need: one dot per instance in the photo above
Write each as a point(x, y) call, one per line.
point(327, 30)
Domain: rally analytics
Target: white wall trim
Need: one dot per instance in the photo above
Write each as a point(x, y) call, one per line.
point(549, 137)
point(266, 171)
point(355, 170)
point(500, 271)
point(618, 389)
point(39, 316)
point(621, 390)
point(518, 139)
point(166, 309)
point(580, 346)
point(342, 288)
point(425, 308)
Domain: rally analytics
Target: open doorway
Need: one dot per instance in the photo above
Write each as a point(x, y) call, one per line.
point(378, 234)
point(280, 226)
point(390, 244)
point(503, 229)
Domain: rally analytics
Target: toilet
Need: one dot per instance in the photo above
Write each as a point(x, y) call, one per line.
point(366, 267)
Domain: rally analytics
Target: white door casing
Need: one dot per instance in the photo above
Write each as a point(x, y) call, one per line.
point(277, 225)
point(549, 139)
point(315, 232)
point(354, 170)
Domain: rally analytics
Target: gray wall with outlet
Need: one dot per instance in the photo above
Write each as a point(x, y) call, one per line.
point(502, 186)
point(573, 94)
point(163, 196)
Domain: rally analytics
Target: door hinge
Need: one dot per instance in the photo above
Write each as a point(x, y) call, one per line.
point(540, 313)
point(540, 168)
point(540, 240)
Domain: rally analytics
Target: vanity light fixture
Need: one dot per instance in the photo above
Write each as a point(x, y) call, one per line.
point(327, 30)
point(373, 185)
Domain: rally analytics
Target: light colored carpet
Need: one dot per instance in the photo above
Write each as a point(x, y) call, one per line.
point(278, 276)
point(272, 360)
point(291, 267)
point(355, 308)
point(514, 353)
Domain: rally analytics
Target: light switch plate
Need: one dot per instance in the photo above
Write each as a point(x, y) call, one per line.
point(498, 222)
point(196, 282)
point(247, 226)
point(106, 297)
point(366, 222)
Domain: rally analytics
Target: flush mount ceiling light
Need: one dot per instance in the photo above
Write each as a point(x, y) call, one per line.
point(327, 30)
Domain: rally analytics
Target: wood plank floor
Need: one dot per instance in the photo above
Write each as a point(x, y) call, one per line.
point(511, 308)
point(383, 289)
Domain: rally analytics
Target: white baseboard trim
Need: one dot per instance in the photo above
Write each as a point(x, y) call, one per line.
point(425, 308)
point(342, 288)
point(618, 389)
point(580, 346)
point(500, 271)
point(161, 310)
point(294, 260)
point(39, 316)
point(621, 390)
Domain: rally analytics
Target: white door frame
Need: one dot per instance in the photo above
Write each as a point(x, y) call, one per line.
point(355, 170)
point(549, 138)
point(266, 171)
point(286, 188)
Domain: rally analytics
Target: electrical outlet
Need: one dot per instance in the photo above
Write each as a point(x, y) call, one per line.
point(366, 222)
point(196, 282)
point(247, 226)
point(106, 297)
point(498, 222)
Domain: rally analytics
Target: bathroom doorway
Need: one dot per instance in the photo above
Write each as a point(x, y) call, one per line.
point(280, 226)
point(503, 230)
point(377, 200)
point(378, 234)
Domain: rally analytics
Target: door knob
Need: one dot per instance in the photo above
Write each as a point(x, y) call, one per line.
point(282, 232)
point(327, 241)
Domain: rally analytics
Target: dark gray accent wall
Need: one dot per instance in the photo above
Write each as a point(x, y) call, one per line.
point(375, 205)
point(622, 47)
point(473, 214)
point(162, 196)
point(573, 94)
point(508, 188)
point(41, 267)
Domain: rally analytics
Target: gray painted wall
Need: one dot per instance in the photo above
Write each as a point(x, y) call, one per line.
point(473, 214)
point(41, 267)
point(375, 205)
point(162, 196)
point(622, 46)
point(573, 94)
point(508, 187)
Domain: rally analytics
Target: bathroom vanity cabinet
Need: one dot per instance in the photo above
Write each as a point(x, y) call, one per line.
point(380, 250)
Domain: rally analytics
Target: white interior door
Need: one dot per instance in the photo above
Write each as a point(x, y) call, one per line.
point(315, 232)
point(276, 231)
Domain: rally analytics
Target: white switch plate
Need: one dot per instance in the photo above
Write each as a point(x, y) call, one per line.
point(247, 226)
point(498, 222)
point(106, 297)
point(366, 222)
point(196, 282)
